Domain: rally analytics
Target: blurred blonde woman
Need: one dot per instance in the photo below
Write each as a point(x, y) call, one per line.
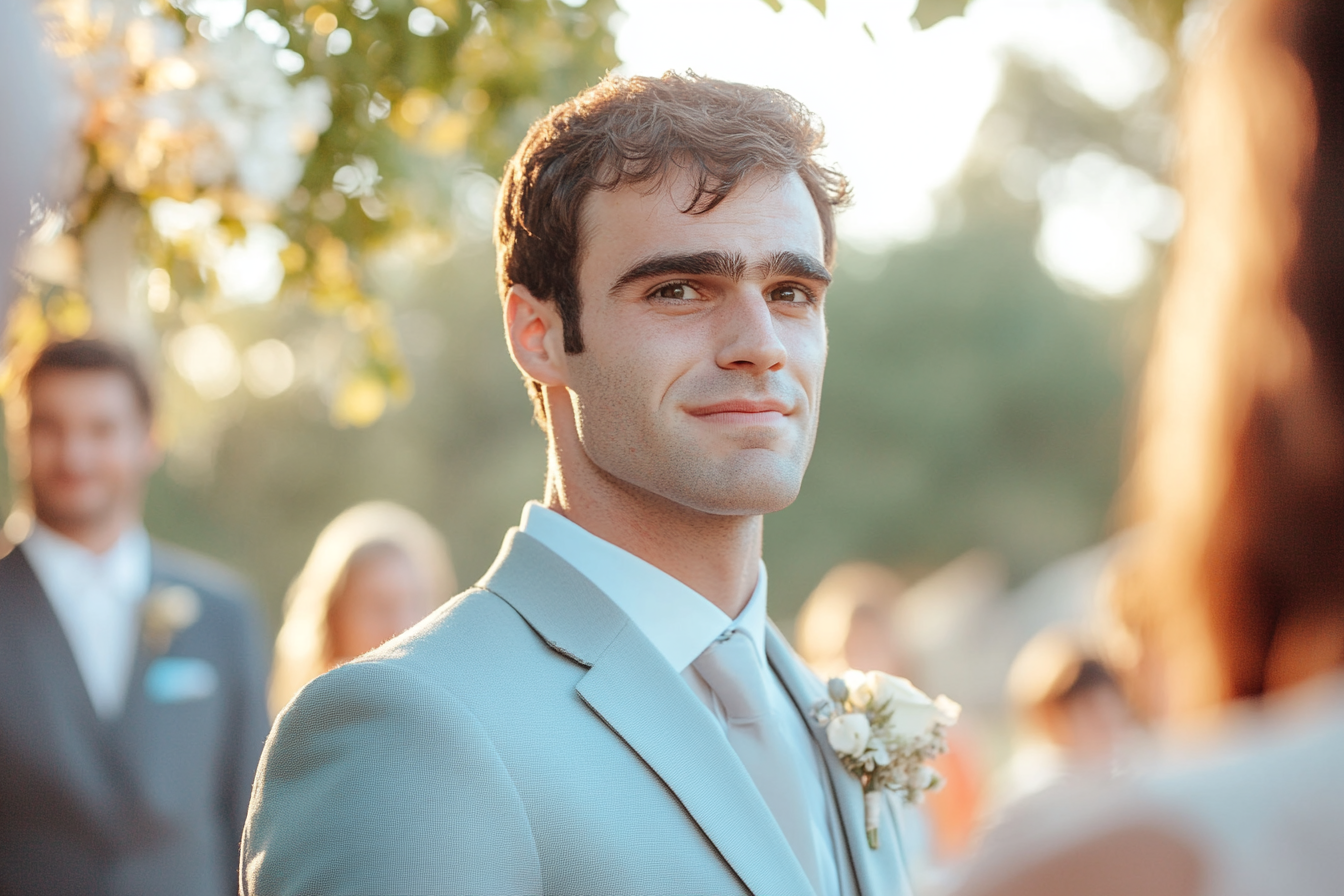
point(375, 571)
point(847, 622)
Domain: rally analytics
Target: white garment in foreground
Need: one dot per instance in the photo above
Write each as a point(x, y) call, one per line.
point(680, 624)
point(1265, 799)
point(1259, 799)
point(96, 598)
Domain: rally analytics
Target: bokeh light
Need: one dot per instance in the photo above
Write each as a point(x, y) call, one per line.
point(902, 107)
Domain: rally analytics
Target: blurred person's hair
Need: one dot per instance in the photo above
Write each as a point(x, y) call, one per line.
point(303, 648)
point(1236, 584)
point(642, 130)
point(844, 593)
point(1052, 669)
point(92, 356)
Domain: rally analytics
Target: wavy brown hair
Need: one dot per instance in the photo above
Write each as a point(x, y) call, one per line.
point(1236, 582)
point(637, 131)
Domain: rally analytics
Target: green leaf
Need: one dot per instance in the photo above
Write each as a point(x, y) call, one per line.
point(868, 31)
point(820, 5)
point(774, 4)
point(930, 12)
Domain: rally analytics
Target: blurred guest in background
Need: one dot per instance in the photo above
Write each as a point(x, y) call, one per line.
point(1236, 586)
point(1070, 711)
point(375, 571)
point(849, 622)
point(133, 708)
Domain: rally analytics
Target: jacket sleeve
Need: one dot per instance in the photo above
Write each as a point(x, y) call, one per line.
point(249, 722)
point(374, 781)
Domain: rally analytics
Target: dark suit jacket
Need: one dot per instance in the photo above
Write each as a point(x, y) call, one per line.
point(153, 802)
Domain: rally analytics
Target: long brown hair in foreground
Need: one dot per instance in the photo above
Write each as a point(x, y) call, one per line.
point(1236, 582)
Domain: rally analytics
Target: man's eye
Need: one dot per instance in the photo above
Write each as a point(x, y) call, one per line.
point(676, 291)
point(789, 295)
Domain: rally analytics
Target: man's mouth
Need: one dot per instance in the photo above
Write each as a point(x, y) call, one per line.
point(757, 412)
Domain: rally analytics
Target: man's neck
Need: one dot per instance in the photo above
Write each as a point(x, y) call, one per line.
point(716, 556)
point(96, 535)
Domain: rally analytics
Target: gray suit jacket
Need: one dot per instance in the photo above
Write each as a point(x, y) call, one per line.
point(153, 802)
point(527, 739)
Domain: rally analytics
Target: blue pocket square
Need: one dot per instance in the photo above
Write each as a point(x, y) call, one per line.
point(176, 679)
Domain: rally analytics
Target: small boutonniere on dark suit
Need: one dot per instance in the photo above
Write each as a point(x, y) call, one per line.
point(174, 679)
point(167, 611)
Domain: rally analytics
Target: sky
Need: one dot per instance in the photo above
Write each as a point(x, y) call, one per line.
point(902, 108)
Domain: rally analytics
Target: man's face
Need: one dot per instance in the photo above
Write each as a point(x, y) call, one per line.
point(705, 342)
point(89, 447)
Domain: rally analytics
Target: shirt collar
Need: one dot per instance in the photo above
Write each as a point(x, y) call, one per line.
point(62, 564)
point(677, 620)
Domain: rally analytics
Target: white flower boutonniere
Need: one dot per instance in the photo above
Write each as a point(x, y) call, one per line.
point(885, 731)
point(166, 612)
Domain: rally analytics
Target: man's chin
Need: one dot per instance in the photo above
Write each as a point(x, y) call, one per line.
point(743, 493)
point(72, 515)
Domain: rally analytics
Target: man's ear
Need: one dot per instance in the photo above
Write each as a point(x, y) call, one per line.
point(536, 336)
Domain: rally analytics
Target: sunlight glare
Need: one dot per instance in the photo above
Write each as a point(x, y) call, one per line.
point(902, 109)
point(1098, 216)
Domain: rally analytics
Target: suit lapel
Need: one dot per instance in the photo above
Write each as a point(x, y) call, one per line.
point(135, 727)
point(53, 711)
point(632, 689)
point(878, 872)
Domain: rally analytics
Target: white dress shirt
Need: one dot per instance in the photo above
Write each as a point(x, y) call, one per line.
point(680, 623)
point(96, 598)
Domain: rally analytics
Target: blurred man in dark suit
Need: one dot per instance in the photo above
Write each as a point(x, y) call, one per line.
point(132, 711)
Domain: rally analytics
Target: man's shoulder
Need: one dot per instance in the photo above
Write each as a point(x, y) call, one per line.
point(473, 644)
point(475, 629)
point(470, 644)
point(177, 565)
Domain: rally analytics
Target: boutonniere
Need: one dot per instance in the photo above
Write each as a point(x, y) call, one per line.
point(166, 612)
point(885, 731)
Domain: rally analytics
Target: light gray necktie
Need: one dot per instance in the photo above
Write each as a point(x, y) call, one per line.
point(732, 669)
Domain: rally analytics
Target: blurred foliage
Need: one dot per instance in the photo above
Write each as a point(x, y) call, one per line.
point(472, 83)
point(424, 90)
point(1162, 17)
point(241, 161)
point(930, 12)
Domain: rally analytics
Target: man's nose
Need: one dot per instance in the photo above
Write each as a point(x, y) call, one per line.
point(76, 453)
point(749, 339)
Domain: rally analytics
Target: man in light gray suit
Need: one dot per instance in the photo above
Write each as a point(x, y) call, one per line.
point(609, 711)
point(132, 711)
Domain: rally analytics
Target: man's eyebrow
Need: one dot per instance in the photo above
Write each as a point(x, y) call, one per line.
point(713, 263)
point(731, 265)
point(795, 264)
